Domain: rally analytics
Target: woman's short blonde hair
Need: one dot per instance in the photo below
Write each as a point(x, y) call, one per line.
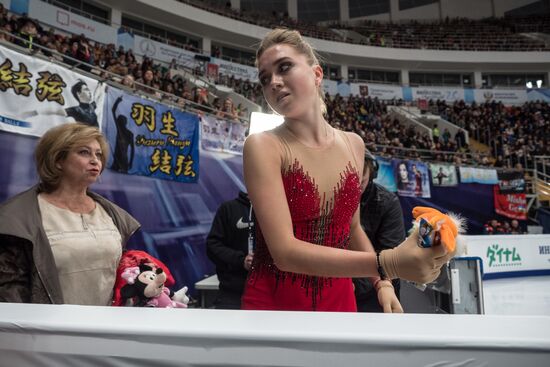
point(55, 145)
point(292, 38)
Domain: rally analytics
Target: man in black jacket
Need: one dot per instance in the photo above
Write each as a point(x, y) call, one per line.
point(227, 247)
point(382, 220)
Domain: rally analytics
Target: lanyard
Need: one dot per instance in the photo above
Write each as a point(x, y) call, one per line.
point(251, 244)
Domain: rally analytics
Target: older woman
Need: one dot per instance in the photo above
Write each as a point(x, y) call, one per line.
point(60, 242)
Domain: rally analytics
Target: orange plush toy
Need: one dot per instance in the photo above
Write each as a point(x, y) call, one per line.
point(447, 227)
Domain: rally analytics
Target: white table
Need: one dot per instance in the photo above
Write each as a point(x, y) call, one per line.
point(210, 284)
point(66, 335)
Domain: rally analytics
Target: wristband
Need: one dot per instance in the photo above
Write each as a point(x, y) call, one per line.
point(379, 267)
point(387, 283)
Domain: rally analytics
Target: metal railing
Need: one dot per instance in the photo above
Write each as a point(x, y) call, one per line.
point(103, 75)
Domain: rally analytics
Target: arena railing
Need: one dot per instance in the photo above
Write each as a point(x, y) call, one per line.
point(180, 67)
point(110, 78)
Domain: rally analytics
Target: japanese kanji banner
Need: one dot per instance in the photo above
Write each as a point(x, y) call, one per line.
point(512, 206)
point(36, 95)
point(151, 139)
point(222, 136)
point(510, 182)
point(411, 178)
point(443, 174)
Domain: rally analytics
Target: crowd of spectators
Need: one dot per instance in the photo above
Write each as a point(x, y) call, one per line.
point(452, 34)
point(387, 136)
point(268, 20)
point(501, 34)
point(516, 134)
point(494, 226)
point(122, 66)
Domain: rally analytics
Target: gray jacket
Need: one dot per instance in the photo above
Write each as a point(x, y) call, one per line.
point(27, 268)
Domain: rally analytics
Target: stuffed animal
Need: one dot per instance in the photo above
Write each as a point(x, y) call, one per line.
point(445, 228)
point(147, 285)
point(138, 273)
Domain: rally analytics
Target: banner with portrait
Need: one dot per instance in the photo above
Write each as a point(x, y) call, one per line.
point(511, 182)
point(151, 139)
point(512, 206)
point(411, 178)
point(484, 176)
point(443, 174)
point(36, 95)
point(220, 135)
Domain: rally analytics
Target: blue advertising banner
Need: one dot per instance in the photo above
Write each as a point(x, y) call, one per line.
point(412, 178)
point(385, 174)
point(151, 139)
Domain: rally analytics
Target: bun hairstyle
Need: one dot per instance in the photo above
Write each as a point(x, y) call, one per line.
point(292, 38)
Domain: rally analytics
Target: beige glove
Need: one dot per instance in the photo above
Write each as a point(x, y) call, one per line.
point(387, 298)
point(411, 262)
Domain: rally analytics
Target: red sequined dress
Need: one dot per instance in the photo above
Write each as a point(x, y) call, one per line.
point(322, 189)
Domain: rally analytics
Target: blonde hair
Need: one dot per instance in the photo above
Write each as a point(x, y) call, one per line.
point(293, 38)
point(54, 147)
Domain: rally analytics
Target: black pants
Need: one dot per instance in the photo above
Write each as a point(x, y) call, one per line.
point(228, 301)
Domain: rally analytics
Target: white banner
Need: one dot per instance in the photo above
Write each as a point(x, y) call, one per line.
point(538, 95)
point(71, 22)
point(37, 95)
point(486, 176)
point(220, 135)
point(163, 52)
point(380, 91)
point(330, 87)
point(446, 94)
point(506, 96)
point(239, 71)
point(511, 253)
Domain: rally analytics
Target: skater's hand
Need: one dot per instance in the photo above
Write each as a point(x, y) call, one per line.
point(414, 263)
point(446, 230)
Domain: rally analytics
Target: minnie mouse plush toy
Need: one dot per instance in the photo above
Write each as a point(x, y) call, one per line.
point(147, 286)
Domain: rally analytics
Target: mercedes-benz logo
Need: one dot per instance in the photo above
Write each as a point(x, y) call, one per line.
point(147, 47)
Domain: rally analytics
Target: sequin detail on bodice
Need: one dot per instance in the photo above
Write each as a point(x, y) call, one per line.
point(315, 219)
